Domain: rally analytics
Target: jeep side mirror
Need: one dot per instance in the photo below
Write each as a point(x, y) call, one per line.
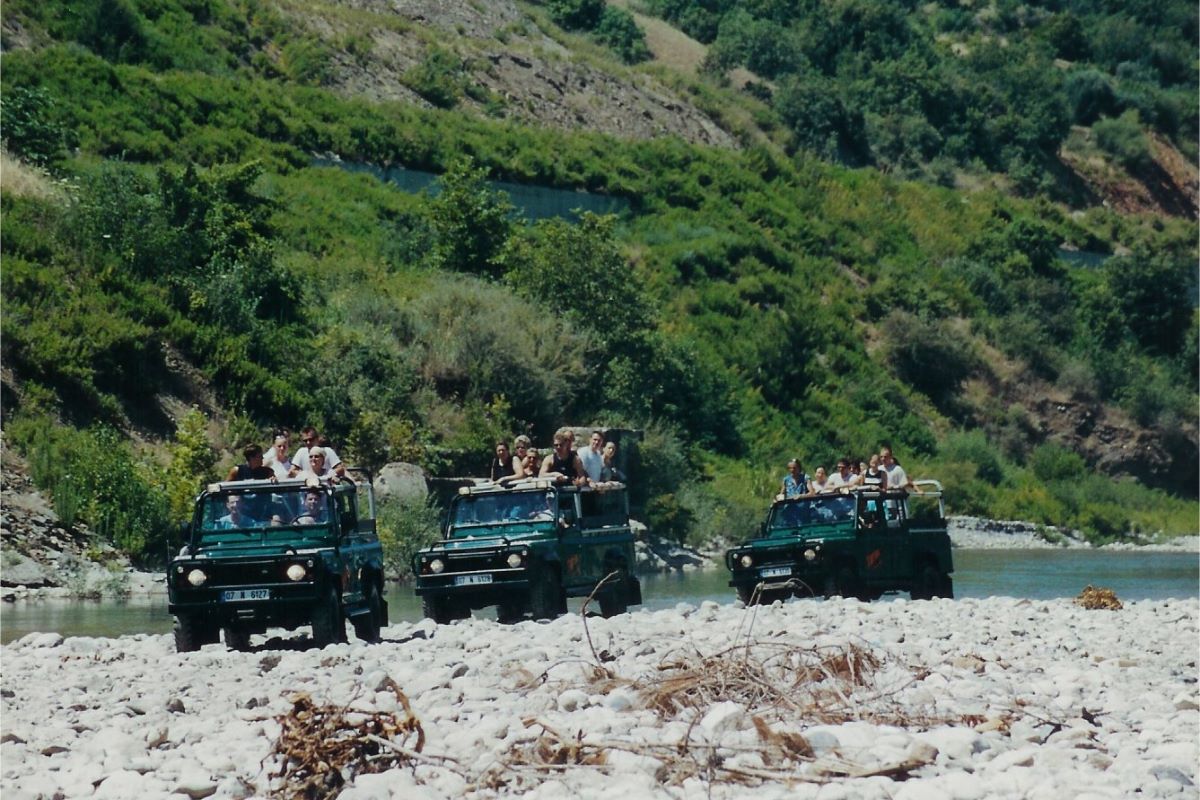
point(762, 529)
point(347, 522)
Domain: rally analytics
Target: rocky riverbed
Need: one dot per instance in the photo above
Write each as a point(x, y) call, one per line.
point(822, 699)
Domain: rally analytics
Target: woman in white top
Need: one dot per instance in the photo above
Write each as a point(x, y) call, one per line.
point(317, 468)
point(819, 482)
point(279, 459)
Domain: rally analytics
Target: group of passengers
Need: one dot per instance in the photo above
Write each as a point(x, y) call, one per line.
point(315, 459)
point(880, 472)
point(594, 463)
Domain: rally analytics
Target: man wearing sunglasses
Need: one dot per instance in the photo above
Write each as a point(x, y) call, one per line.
point(311, 439)
point(563, 464)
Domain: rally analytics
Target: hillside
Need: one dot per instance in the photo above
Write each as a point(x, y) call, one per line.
point(178, 234)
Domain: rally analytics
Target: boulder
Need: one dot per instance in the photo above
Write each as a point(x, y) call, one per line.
point(401, 481)
point(24, 572)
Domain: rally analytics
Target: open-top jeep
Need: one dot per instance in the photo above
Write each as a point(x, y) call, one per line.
point(284, 554)
point(527, 548)
point(858, 544)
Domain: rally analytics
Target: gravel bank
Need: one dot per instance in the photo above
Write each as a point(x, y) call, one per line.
point(930, 699)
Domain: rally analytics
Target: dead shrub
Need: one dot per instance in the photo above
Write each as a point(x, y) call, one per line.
point(324, 746)
point(1093, 598)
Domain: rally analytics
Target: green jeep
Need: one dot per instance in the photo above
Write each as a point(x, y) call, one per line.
point(858, 544)
point(284, 554)
point(527, 548)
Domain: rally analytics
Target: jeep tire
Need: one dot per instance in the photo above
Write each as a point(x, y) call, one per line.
point(441, 610)
point(545, 596)
point(237, 636)
point(843, 583)
point(366, 626)
point(615, 600)
point(327, 619)
point(192, 632)
point(931, 582)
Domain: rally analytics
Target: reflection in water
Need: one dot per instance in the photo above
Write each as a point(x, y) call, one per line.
point(1036, 574)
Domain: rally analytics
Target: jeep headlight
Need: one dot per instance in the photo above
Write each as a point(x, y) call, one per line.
point(196, 577)
point(296, 572)
point(436, 566)
point(746, 561)
point(514, 560)
point(810, 554)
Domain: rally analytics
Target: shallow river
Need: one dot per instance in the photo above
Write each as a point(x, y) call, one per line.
point(1036, 574)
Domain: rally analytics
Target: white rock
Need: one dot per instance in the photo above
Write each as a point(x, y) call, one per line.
point(721, 717)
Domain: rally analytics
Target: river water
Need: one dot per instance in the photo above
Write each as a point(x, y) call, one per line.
point(1036, 574)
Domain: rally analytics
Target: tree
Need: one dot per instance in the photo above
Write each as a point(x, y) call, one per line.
point(471, 221)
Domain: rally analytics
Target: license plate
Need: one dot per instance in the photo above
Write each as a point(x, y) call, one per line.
point(471, 580)
point(235, 595)
point(775, 572)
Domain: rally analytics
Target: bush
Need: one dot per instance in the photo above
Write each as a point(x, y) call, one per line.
point(974, 448)
point(931, 357)
point(1122, 138)
point(1050, 462)
point(618, 31)
point(405, 526)
point(92, 477)
point(32, 129)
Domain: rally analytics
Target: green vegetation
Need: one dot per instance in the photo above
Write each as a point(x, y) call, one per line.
point(915, 88)
point(752, 305)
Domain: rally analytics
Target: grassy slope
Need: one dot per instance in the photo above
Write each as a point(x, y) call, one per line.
point(766, 245)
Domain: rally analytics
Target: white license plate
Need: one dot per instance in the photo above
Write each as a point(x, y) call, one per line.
point(235, 595)
point(471, 580)
point(775, 572)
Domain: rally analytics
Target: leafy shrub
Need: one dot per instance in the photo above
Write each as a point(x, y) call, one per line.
point(99, 481)
point(618, 31)
point(440, 77)
point(931, 357)
point(470, 221)
point(1123, 139)
point(974, 448)
point(405, 526)
point(1051, 462)
point(32, 128)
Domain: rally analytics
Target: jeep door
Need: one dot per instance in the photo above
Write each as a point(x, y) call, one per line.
point(880, 534)
point(353, 540)
point(594, 545)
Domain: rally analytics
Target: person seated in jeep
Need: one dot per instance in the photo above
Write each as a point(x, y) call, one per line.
point(237, 517)
point(313, 512)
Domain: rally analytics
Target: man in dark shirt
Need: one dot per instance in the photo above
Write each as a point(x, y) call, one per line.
point(253, 469)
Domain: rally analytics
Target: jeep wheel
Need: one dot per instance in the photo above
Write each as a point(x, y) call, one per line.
point(931, 583)
point(842, 583)
point(616, 600)
point(745, 594)
point(439, 609)
point(327, 619)
point(366, 626)
point(237, 637)
point(545, 596)
point(510, 612)
point(191, 633)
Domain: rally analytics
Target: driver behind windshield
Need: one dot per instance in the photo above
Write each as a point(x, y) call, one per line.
point(313, 511)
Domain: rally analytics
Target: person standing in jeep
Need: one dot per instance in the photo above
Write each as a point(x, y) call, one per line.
point(563, 464)
point(897, 478)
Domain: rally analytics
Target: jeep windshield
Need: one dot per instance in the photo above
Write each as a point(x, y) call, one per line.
point(286, 514)
point(806, 511)
point(473, 515)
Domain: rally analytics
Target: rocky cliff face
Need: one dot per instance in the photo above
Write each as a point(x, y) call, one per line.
point(502, 64)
